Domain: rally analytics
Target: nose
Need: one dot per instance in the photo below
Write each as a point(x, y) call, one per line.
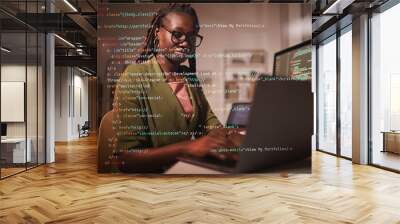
point(184, 44)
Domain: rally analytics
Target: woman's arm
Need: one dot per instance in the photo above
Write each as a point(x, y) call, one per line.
point(134, 150)
point(152, 159)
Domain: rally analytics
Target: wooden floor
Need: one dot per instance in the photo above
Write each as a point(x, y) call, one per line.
point(10, 171)
point(387, 159)
point(70, 191)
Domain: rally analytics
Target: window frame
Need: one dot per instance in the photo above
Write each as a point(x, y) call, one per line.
point(378, 10)
point(333, 37)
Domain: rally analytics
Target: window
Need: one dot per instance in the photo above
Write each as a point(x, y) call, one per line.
point(327, 95)
point(22, 66)
point(346, 93)
point(385, 89)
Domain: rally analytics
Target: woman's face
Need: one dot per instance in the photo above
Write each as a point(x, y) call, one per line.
point(176, 21)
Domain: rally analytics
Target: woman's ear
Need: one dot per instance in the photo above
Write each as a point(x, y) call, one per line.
point(156, 32)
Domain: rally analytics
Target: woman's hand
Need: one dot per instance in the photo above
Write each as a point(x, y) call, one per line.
point(235, 137)
point(200, 147)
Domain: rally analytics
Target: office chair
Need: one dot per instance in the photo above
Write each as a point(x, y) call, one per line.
point(84, 130)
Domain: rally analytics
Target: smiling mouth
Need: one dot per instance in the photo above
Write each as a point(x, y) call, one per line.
point(182, 50)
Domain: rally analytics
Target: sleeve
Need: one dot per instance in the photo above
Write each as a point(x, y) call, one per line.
point(129, 120)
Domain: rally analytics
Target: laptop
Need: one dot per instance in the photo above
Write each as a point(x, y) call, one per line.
point(238, 115)
point(278, 130)
point(238, 118)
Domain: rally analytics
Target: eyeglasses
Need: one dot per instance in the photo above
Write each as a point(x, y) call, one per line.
point(178, 37)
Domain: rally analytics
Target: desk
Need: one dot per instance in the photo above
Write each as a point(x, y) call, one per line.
point(294, 167)
point(182, 167)
point(13, 150)
point(391, 141)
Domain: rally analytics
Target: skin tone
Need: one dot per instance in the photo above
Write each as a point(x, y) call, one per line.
point(169, 57)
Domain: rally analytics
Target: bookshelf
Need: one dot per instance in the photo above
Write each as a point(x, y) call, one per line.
point(241, 69)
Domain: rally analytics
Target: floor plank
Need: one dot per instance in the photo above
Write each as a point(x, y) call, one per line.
point(71, 191)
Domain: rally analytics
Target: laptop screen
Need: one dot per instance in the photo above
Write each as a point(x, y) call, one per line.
point(239, 115)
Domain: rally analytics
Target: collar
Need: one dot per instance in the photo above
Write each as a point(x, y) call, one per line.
point(160, 74)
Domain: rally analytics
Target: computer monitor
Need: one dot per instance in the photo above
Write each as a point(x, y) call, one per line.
point(3, 129)
point(238, 115)
point(294, 62)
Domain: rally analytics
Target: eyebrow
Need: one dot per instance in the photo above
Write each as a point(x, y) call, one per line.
point(181, 30)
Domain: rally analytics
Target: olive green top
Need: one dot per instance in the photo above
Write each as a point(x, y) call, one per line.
point(148, 114)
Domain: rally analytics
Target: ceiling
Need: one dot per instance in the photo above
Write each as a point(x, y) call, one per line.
point(76, 22)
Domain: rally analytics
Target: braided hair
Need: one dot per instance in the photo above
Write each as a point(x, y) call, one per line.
point(149, 49)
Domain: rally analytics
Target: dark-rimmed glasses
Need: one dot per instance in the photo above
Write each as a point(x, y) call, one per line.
point(178, 37)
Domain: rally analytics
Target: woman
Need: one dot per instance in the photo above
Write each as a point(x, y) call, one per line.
point(160, 111)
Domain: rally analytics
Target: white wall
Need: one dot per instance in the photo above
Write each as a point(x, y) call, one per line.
point(67, 115)
point(80, 83)
point(33, 127)
point(13, 73)
point(16, 73)
point(299, 23)
point(62, 81)
point(284, 25)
